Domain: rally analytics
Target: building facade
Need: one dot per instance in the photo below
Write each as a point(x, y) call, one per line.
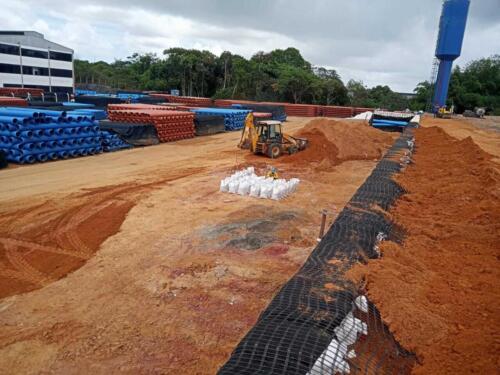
point(28, 60)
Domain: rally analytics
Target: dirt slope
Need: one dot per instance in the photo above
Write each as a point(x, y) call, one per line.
point(334, 141)
point(439, 290)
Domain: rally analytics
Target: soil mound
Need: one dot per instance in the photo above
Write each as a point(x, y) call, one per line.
point(438, 291)
point(332, 142)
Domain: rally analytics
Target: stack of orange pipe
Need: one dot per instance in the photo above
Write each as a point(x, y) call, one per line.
point(302, 110)
point(170, 125)
point(10, 101)
point(20, 92)
point(336, 111)
point(191, 101)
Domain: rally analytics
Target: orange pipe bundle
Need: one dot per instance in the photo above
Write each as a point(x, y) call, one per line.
point(302, 110)
point(170, 125)
point(337, 111)
point(10, 101)
point(20, 92)
point(134, 106)
point(191, 101)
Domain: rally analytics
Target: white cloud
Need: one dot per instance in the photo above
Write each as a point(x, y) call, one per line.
point(377, 41)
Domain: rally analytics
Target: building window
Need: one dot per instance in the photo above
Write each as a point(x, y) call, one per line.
point(34, 53)
point(36, 71)
point(9, 50)
point(9, 68)
point(61, 56)
point(61, 73)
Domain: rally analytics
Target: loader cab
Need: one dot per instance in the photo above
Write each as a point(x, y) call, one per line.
point(269, 131)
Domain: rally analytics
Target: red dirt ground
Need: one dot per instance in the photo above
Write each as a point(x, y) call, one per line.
point(438, 292)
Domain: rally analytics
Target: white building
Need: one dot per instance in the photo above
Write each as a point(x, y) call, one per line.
point(28, 60)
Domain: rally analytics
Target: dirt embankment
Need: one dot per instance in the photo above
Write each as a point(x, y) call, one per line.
point(438, 291)
point(332, 142)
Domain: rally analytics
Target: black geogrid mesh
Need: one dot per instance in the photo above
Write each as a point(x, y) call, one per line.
point(299, 323)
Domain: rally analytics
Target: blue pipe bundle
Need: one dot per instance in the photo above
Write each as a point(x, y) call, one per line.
point(382, 123)
point(234, 119)
point(37, 135)
point(97, 114)
point(112, 141)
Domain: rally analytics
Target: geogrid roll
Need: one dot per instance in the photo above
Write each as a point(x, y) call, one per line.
point(316, 324)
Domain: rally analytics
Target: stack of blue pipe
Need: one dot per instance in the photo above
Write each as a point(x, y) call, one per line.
point(112, 142)
point(234, 119)
point(98, 114)
point(380, 123)
point(37, 135)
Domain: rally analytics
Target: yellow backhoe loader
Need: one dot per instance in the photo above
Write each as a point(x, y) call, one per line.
point(267, 138)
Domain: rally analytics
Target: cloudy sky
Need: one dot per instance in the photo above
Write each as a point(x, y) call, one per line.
point(378, 41)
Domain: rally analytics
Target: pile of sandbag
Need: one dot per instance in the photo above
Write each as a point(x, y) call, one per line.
point(246, 182)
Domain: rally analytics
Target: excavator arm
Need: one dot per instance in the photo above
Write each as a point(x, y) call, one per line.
point(249, 134)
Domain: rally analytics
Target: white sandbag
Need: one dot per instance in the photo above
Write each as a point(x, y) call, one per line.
point(255, 189)
point(224, 185)
point(244, 188)
point(361, 303)
point(266, 191)
point(331, 360)
point(233, 186)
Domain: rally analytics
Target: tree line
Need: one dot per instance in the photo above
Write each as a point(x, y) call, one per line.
point(279, 75)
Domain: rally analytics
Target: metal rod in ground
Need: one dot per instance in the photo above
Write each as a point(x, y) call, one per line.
point(322, 227)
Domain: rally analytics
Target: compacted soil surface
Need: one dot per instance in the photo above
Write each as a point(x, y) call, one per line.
point(439, 291)
point(134, 262)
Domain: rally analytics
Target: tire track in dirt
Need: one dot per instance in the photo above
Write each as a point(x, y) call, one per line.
point(47, 240)
point(25, 270)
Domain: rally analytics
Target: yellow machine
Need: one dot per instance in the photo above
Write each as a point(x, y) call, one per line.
point(272, 173)
point(443, 113)
point(267, 138)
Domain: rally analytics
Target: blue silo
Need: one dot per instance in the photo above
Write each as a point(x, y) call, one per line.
point(449, 45)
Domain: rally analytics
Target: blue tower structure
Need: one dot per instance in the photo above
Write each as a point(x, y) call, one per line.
point(449, 46)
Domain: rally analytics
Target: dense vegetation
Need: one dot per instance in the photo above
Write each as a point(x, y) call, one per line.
point(279, 75)
point(476, 85)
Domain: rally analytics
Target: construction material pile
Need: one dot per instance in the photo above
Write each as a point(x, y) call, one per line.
point(100, 101)
point(11, 101)
point(135, 134)
point(3, 159)
point(385, 119)
point(170, 125)
point(246, 182)
point(20, 92)
point(191, 101)
point(336, 111)
point(358, 110)
point(28, 136)
point(95, 114)
point(363, 116)
point(112, 141)
point(207, 125)
point(302, 110)
point(234, 119)
point(135, 106)
point(277, 111)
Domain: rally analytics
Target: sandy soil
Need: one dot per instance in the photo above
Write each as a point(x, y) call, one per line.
point(164, 274)
point(438, 292)
point(484, 132)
